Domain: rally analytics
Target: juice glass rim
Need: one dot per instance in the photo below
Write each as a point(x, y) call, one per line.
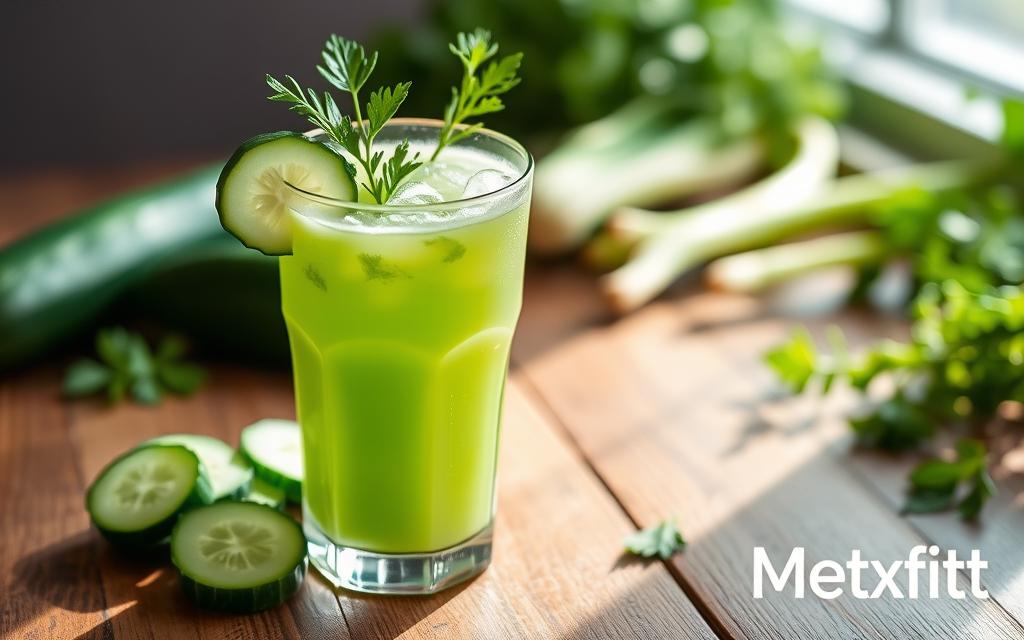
point(442, 206)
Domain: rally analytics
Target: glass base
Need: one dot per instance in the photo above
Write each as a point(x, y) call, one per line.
point(396, 573)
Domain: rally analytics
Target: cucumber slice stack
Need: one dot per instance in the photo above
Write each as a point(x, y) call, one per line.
point(137, 498)
point(252, 197)
point(239, 556)
point(274, 447)
point(230, 474)
point(235, 548)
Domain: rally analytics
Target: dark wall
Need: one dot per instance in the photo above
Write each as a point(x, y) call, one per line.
point(114, 81)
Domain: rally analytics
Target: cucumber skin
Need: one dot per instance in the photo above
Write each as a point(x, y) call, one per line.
point(291, 487)
point(55, 292)
point(225, 297)
point(245, 600)
point(225, 173)
point(157, 534)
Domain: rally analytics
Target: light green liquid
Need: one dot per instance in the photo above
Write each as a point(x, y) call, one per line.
point(400, 346)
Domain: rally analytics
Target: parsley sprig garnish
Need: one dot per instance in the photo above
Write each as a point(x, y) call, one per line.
point(347, 66)
point(479, 92)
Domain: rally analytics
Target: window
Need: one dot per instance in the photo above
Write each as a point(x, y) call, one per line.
point(983, 40)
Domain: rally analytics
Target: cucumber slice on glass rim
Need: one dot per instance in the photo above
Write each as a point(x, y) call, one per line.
point(238, 556)
point(274, 447)
point(230, 473)
point(137, 498)
point(252, 197)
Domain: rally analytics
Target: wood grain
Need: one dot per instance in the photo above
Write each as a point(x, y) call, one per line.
point(557, 574)
point(49, 572)
point(608, 425)
point(668, 408)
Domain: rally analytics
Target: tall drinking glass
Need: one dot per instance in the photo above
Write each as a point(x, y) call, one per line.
point(400, 319)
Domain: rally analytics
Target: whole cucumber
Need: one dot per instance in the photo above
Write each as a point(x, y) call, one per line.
point(226, 297)
point(55, 282)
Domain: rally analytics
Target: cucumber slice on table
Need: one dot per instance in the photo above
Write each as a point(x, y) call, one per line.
point(274, 447)
point(239, 556)
point(137, 498)
point(262, 493)
point(230, 473)
point(252, 199)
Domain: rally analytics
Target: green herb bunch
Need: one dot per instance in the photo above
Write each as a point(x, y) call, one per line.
point(965, 356)
point(127, 366)
point(347, 67)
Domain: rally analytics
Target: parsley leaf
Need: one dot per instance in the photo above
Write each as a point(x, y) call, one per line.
point(965, 355)
point(347, 66)
point(479, 92)
point(663, 540)
point(128, 366)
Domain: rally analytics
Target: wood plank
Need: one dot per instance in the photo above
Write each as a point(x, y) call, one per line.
point(666, 408)
point(48, 565)
point(997, 536)
point(557, 549)
point(556, 572)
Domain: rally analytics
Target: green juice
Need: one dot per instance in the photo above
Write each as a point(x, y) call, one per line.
point(400, 327)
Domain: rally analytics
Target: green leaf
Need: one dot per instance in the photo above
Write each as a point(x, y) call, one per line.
point(377, 268)
point(936, 474)
point(383, 105)
point(794, 361)
point(86, 377)
point(140, 360)
point(983, 489)
point(180, 377)
point(450, 248)
point(114, 347)
point(663, 540)
point(346, 64)
point(397, 168)
point(894, 425)
point(146, 391)
point(929, 500)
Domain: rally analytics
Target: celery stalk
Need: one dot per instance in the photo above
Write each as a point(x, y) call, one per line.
point(759, 213)
point(749, 219)
point(637, 156)
point(755, 270)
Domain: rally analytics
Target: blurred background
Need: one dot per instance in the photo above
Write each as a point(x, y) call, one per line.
point(125, 81)
point(138, 80)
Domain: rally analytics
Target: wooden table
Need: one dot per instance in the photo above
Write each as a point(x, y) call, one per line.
point(609, 425)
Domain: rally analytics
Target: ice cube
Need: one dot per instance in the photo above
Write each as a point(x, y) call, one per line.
point(485, 181)
point(447, 178)
point(415, 192)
